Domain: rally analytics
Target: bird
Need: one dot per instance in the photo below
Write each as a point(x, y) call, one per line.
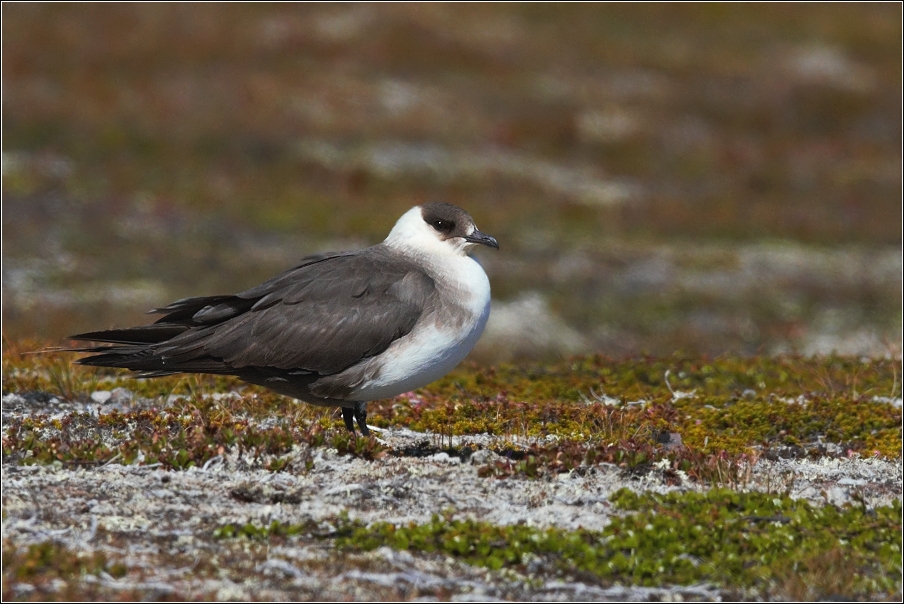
point(340, 329)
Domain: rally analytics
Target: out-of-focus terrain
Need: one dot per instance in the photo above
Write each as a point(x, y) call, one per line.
point(704, 178)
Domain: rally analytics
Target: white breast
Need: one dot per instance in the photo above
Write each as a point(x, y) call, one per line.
point(440, 340)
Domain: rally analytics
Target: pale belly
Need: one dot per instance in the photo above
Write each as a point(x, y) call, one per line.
point(419, 360)
point(433, 350)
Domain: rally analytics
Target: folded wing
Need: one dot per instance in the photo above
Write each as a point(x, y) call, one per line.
point(320, 317)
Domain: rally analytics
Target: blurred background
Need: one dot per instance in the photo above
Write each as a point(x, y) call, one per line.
point(707, 178)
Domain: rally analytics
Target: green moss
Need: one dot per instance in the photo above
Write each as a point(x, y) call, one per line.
point(48, 560)
point(734, 540)
point(252, 531)
point(587, 410)
point(728, 404)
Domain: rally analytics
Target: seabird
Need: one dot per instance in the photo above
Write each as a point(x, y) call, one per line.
point(340, 329)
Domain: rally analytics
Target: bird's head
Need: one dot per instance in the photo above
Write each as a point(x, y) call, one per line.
point(438, 228)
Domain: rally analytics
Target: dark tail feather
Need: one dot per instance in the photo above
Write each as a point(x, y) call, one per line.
point(132, 350)
point(147, 362)
point(136, 357)
point(146, 334)
point(145, 348)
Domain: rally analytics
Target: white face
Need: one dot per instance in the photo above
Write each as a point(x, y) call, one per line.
point(411, 233)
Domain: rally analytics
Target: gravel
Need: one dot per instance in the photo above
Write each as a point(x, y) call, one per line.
point(162, 522)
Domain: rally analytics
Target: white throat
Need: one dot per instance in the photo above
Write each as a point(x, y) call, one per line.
point(446, 334)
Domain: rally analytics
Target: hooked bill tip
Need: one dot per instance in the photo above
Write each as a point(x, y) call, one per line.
point(483, 239)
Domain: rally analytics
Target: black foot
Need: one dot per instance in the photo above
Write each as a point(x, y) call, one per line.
point(348, 414)
point(361, 418)
point(357, 413)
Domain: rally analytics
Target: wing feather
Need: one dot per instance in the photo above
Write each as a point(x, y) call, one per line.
point(320, 317)
point(327, 318)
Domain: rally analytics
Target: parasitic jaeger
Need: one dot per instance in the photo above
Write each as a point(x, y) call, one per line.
point(339, 329)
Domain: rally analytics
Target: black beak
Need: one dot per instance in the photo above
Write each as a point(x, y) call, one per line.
point(482, 239)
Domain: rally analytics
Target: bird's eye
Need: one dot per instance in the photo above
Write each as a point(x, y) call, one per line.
point(443, 226)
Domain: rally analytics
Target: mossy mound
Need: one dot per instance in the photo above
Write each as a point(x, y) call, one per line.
point(704, 415)
point(742, 542)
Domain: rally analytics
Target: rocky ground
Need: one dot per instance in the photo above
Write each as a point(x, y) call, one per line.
point(155, 529)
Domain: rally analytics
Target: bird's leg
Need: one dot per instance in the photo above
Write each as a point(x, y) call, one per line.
point(360, 411)
point(348, 414)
